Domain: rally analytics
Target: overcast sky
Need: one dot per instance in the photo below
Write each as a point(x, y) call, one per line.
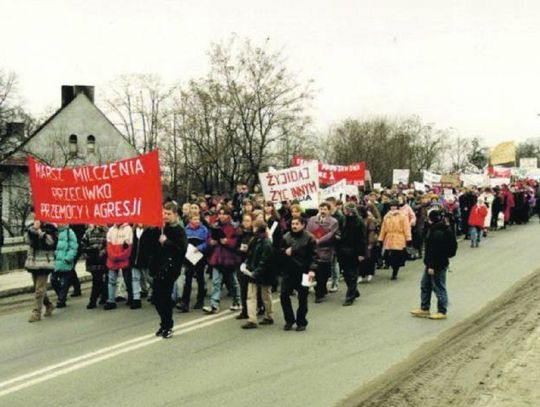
point(471, 64)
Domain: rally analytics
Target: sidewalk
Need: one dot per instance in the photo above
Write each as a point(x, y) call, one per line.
point(20, 281)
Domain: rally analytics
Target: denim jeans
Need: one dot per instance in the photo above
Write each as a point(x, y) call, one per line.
point(60, 281)
point(475, 233)
point(136, 283)
point(336, 269)
point(437, 284)
point(113, 279)
point(231, 280)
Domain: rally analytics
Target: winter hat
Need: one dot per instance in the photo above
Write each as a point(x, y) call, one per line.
point(435, 215)
point(394, 202)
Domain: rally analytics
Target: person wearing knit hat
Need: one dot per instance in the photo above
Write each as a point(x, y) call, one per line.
point(394, 235)
point(440, 245)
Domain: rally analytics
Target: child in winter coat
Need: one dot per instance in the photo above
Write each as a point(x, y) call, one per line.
point(64, 262)
point(477, 219)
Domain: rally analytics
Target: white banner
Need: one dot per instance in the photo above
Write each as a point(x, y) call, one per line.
point(296, 183)
point(497, 182)
point(475, 180)
point(418, 186)
point(337, 190)
point(520, 173)
point(431, 178)
point(351, 190)
point(534, 174)
point(529, 163)
point(400, 176)
point(377, 186)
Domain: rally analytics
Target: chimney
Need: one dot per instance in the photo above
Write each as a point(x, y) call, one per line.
point(15, 130)
point(70, 92)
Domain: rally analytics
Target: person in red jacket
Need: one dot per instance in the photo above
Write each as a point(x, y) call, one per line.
point(477, 219)
point(119, 245)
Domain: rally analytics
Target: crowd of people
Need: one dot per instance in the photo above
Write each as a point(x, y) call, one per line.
point(256, 248)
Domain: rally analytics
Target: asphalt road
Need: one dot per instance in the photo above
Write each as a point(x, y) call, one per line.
point(80, 357)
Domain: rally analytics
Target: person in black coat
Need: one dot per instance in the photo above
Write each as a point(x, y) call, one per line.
point(351, 250)
point(299, 258)
point(440, 246)
point(166, 261)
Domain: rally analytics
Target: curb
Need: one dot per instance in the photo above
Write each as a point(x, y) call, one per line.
point(12, 292)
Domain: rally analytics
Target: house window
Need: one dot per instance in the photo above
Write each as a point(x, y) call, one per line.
point(90, 144)
point(73, 147)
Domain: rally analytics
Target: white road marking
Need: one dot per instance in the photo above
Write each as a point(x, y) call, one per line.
point(204, 321)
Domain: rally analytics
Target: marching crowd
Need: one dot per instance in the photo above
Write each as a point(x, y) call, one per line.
point(255, 248)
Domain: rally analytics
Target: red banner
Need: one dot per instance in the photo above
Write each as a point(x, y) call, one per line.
point(329, 174)
point(499, 172)
point(121, 191)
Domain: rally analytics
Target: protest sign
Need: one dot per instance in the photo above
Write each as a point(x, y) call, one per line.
point(499, 172)
point(431, 178)
point(503, 153)
point(528, 163)
point(519, 172)
point(497, 182)
point(350, 191)
point(377, 186)
point(118, 192)
point(400, 177)
point(418, 186)
point(337, 190)
point(475, 180)
point(296, 183)
point(330, 174)
point(448, 193)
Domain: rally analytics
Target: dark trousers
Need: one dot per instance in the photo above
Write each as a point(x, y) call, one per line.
point(243, 280)
point(99, 287)
point(60, 282)
point(288, 285)
point(126, 273)
point(161, 297)
point(196, 271)
point(322, 275)
point(74, 281)
point(350, 275)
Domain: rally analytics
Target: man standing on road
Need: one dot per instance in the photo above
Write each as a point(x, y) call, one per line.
point(298, 250)
point(440, 246)
point(324, 228)
point(165, 264)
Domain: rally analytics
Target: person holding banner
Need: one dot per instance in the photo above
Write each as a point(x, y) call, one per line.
point(64, 259)
point(41, 239)
point(395, 234)
point(324, 228)
point(94, 249)
point(165, 266)
point(119, 246)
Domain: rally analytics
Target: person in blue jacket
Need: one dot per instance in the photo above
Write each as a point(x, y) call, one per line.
point(197, 235)
point(64, 262)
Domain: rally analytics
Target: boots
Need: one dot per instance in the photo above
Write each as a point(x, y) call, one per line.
point(35, 316)
point(48, 309)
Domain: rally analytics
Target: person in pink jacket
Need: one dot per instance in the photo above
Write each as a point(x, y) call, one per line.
point(477, 219)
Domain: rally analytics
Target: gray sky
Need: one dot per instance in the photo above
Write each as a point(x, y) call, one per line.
point(469, 64)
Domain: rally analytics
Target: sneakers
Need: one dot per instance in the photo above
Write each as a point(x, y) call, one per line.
point(210, 310)
point(360, 280)
point(287, 327)
point(36, 316)
point(369, 278)
point(135, 304)
point(48, 310)
point(249, 325)
point(167, 333)
point(159, 332)
point(333, 289)
point(266, 321)
point(235, 307)
point(109, 306)
point(438, 315)
point(420, 313)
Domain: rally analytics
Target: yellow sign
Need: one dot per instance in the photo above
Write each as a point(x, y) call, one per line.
point(503, 153)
